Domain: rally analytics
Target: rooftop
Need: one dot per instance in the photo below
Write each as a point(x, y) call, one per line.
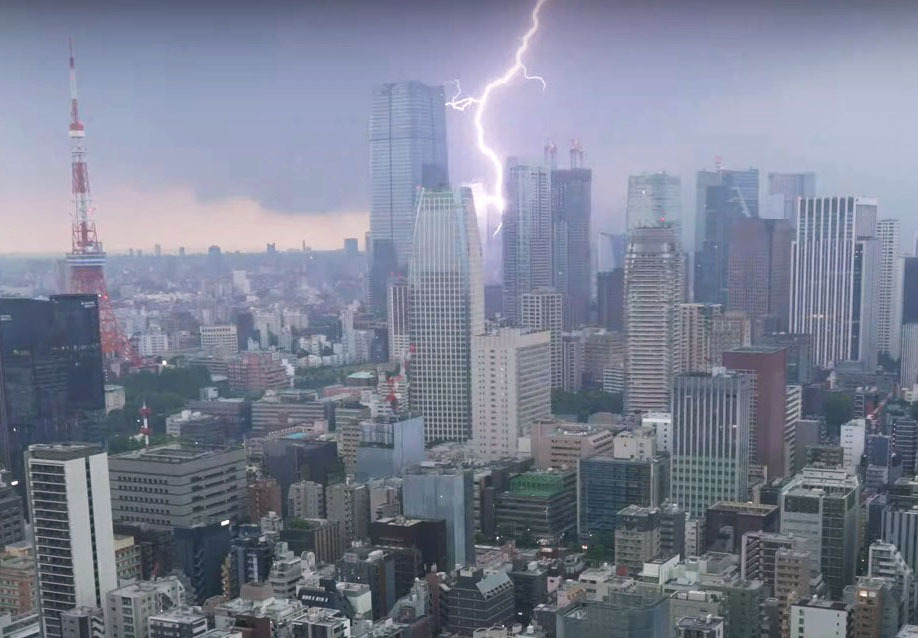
point(63, 451)
point(745, 508)
point(173, 453)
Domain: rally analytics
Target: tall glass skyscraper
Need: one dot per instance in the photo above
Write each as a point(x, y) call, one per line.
point(572, 209)
point(446, 307)
point(653, 200)
point(526, 234)
point(51, 372)
point(407, 152)
point(834, 270)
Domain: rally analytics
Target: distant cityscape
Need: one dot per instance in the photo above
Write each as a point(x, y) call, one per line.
point(480, 419)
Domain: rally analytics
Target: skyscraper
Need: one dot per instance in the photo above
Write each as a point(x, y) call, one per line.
point(541, 309)
point(526, 234)
point(758, 272)
point(703, 332)
point(70, 506)
point(783, 191)
point(821, 506)
point(653, 200)
point(768, 370)
point(743, 184)
point(444, 492)
point(511, 388)
point(833, 278)
point(446, 307)
point(653, 288)
point(908, 371)
point(51, 373)
point(724, 198)
point(610, 296)
point(407, 151)
point(711, 429)
point(571, 210)
point(397, 316)
point(889, 313)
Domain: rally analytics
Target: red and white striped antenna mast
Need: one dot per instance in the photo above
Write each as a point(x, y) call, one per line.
point(86, 259)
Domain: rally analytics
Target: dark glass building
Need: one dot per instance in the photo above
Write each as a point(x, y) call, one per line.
point(51, 373)
point(571, 210)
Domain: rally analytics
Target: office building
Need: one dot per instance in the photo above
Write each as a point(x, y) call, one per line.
point(606, 485)
point(178, 485)
point(83, 622)
point(286, 572)
point(445, 492)
point(889, 293)
point(853, 443)
point(767, 368)
point(407, 151)
point(541, 310)
point(821, 619)
point(558, 444)
point(18, 592)
point(511, 389)
point(842, 319)
point(711, 429)
point(627, 611)
point(758, 272)
point(653, 200)
point(263, 496)
point(12, 521)
point(178, 622)
point(905, 441)
point(319, 622)
point(610, 299)
point(653, 288)
point(571, 212)
point(397, 319)
point(256, 372)
point(900, 519)
point(200, 551)
point(572, 361)
point(317, 535)
point(446, 308)
point(637, 537)
point(306, 499)
point(723, 199)
point(539, 506)
point(249, 560)
point(783, 191)
point(704, 332)
point(388, 445)
point(908, 363)
point(478, 599)
point(51, 373)
point(128, 609)
point(758, 554)
point(526, 233)
point(885, 561)
point(875, 608)
point(294, 457)
point(727, 523)
point(821, 506)
point(222, 339)
point(128, 559)
point(700, 627)
point(349, 504)
point(428, 535)
point(71, 511)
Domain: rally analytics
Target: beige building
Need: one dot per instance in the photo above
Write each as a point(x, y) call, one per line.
point(560, 444)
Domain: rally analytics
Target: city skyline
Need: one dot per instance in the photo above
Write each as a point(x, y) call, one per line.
point(158, 112)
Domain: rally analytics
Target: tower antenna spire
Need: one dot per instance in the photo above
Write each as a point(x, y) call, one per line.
point(86, 259)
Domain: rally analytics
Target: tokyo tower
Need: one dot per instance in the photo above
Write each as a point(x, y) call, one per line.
point(86, 260)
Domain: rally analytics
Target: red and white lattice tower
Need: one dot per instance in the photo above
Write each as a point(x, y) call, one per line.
point(86, 261)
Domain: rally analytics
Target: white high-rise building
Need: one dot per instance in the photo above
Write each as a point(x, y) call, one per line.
point(835, 258)
point(653, 200)
point(397, 318)
point(511, 389)
point(128, 609)
point(446, 307)
point(889, 292)
point(542, 309)
point(712, 421)
point(219, 339)
point(71, 511)
point(526, 234)
point(853, 441)
point(407, 151)
point(654, 270)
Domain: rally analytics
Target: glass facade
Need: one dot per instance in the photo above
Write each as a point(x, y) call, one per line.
point(51, 372)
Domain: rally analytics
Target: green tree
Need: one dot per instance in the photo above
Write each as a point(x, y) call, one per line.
point(837, 408)
point(584, 403)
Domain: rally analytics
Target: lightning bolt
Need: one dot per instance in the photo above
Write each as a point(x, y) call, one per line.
point(480, 106)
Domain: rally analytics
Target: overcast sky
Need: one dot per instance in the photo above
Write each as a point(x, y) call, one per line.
point(239, 123)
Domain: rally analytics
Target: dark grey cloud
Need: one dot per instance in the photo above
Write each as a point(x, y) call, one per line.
point(270, 100)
